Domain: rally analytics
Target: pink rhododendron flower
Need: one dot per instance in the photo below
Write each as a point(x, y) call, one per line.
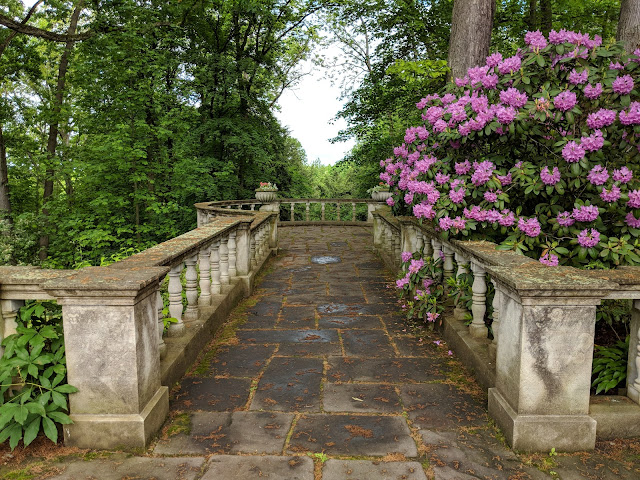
point(611, 195)
point(406, 256)
point(491, 197)
point(408, 198)
point(565, 101)
point(550, 178)
point(623, 175)
point(457, 196)
point(390, 202)
point(509, 65)
point(593, 92)
point(632, 116)
point(505, 179)
point(601, 118)
point(432, 317)
point(494, 59)
point(549, 259)
point(565, 219)
point(459, 223)
point(632, 221)
point(593, 142)
point(493, 215)
point(634, 199)
point(441, 178)
point(416, 265)
point(513, 97)
point(578, 78)
point(598, 175)
point(445, 223)
point(558, 37)
point(507, 218)
point(490, 81)
point(424, 210)
point(461, 82)
point(623, 85)
point(589, 237)
point(402, 282)
point(505, 115)
point(463, 168)
point(530, 227)
point(535, 40)
point(585, 213)
point(572, 152)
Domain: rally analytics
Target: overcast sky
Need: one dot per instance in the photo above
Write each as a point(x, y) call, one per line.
point(307, 111)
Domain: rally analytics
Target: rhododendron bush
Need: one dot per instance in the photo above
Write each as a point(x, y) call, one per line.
point(538, 152)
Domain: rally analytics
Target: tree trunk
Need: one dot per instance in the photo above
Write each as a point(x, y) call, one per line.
point(629, 24)
point(52, 141)
point(5, 201)
point(546, 14)
point(532, 21)
point(471, 25)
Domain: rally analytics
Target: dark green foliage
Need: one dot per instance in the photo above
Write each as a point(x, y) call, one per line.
point(33, 388)
point(610, 366)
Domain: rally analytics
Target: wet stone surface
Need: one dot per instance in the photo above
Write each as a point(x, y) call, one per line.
point(325, 259)
point(212, 394)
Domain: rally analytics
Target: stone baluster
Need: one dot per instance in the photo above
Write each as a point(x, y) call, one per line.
point(437, 248)
point(448, 261)
point(259, 242)
point(322, 210)
point(397, 250)
point(162, 347)
point(428, 248)
point(478, 329)
point(388, 245)
point(204, 263)
point(306, 211)
point(495, 324)
point(253, 207)
point(293, 213)
point(175, 300)
point(232, 254)
point(338, 211)
point(460, 312)
point(8, 315)
point(353, 210)
point(254, 262)
point(633, 363)
point(419, 239)
point(224, 260)
point(191, 277)
point(215, 267)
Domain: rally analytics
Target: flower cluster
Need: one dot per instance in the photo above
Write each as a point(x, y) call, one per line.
point(537, 151)
point(267, 187)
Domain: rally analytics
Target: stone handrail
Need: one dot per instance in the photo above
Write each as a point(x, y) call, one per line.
point(112, 319)
point(538, 363)
point(207, 210)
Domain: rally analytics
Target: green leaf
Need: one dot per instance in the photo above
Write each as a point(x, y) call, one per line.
point(20, 414)
point(16, 435)
point(59, 399)
point(60, 417)
point(31, 432)
point(50, 429)
point(66, 388)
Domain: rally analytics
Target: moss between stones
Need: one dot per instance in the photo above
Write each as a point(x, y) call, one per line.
point(181, 424)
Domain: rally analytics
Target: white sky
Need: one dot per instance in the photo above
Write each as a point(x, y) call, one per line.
point(307, 111)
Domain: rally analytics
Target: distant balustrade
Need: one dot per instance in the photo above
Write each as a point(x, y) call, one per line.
point(535, 352)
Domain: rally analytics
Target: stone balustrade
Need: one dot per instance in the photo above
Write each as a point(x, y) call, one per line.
point(535, 353)
point(347, 211)
point(116, 353)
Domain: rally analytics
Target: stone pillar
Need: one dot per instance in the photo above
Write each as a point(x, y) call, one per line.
point(191, 288)
point(408, 238)
point(378, 231)
point(243, 248)
point(306, 212)
point(111, 340)
point(448, 261)
point(273, 232)
point(254, 239)
point(370, 209)
point(460, 312)
point(633, 364)
point(232, 254)
point(478, 329)
point(495, 324)
point(322, 211)
point(214, 259)
point(396, 253)
point(175, 301)
point(353, 209)
point(437, 248)
point(224, 260)
point(8, 314)
point(204, 263)
point(293, 212)
point(544, 356)
point(428, 246)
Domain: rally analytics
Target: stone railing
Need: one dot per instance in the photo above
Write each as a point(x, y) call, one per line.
point(347, 211)
point(537, 365)
point(112, 319)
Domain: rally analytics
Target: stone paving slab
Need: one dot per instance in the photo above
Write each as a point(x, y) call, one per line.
point(265, 308)
point(237, 432)
point(368, 322)
point(309, 349)
point(410, 346)
point(212, 394)
point(287, 336)
point(396, 370)
point(290, 384)
point(297, 317)
point(350, 397)
point(352, 435)
point(368, 470)
point(255, 322)
point(267, 467)
point(241, 360)
point(121, 466)
point(367, 343)
point(441, 407)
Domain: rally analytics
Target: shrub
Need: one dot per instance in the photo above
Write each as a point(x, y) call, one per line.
point(537, 152)
point(420, 287)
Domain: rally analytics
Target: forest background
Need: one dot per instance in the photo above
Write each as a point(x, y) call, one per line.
point(116, 117)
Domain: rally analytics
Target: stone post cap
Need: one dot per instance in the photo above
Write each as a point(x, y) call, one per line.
point(29, 275)
point(105, 282)
point(534, 279)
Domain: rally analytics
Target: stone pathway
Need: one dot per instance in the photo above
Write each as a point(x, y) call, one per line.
point(322, 379)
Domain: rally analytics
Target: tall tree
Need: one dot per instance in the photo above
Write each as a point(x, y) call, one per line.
point(629, 24)
point(471, 24)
